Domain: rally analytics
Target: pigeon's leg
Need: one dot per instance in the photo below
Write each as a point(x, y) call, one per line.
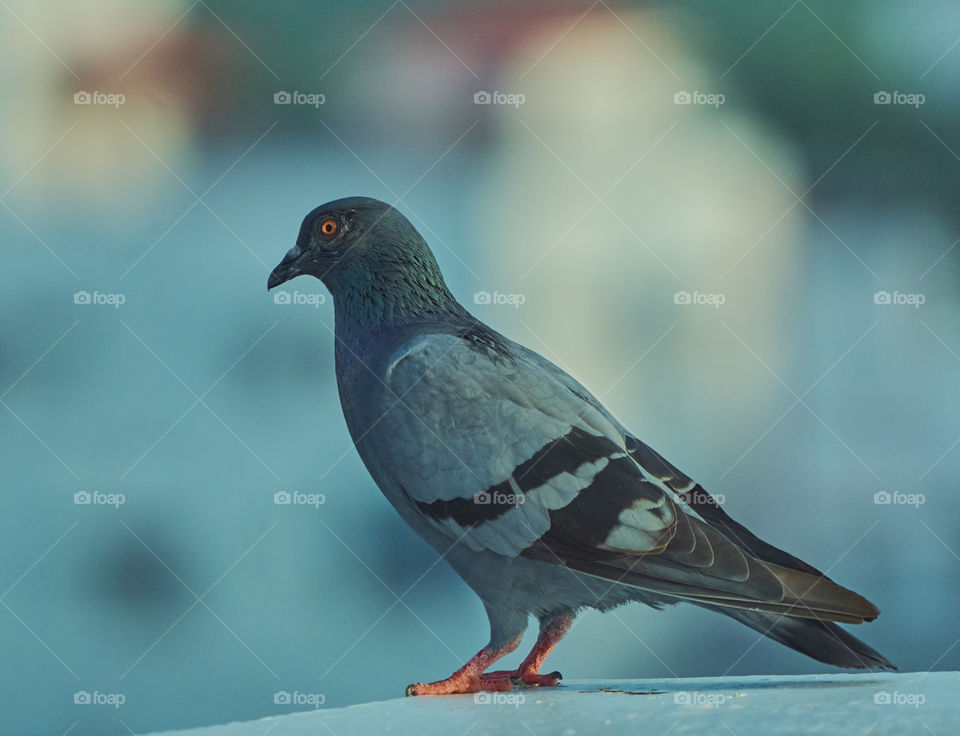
point(469, 678)
point(552, 630)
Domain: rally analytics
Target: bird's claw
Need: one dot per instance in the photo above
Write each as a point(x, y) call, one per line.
point(501, 681)
point(538, 680)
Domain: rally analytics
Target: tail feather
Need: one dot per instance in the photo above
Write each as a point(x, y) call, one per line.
point(804, 618)
point(803, 596)
point(822, 640)
point(820, 597)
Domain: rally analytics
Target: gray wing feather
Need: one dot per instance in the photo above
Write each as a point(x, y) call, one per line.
point(464, 425)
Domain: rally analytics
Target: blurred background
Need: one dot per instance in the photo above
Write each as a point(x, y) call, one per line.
point(736, 223)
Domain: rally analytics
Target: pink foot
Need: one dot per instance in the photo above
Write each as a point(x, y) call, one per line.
point(522, 677)
point(454, 685)
point(470, 677)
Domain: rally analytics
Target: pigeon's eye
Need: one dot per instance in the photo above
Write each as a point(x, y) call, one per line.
point(328, 228)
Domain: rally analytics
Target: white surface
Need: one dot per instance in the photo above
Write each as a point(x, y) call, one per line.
point(900, 704)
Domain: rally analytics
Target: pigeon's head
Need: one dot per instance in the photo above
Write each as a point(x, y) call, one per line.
point(358, 243)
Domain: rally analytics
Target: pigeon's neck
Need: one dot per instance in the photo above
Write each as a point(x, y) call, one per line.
point(388, 300)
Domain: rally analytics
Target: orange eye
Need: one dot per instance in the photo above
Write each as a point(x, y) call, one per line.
point(329, 227)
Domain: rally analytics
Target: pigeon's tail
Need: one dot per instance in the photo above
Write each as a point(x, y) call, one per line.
point(815, 596)
point(822, 640)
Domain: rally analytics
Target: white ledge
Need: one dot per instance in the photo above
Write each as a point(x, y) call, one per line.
point(882, 703)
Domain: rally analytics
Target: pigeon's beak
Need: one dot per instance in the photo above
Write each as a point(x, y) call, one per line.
point(286, 269)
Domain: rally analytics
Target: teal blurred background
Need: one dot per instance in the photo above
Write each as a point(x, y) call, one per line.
point(717, 271)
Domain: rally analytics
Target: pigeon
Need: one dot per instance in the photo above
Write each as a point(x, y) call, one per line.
point(522, 480)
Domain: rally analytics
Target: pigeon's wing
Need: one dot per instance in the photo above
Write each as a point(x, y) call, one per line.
point(477, 442)
point(501, 451)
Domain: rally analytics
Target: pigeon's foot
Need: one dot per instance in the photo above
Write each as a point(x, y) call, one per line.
point(469, 678)
point(499, 681)
point(522, 677)
point(456, 685)
point(528, 673)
